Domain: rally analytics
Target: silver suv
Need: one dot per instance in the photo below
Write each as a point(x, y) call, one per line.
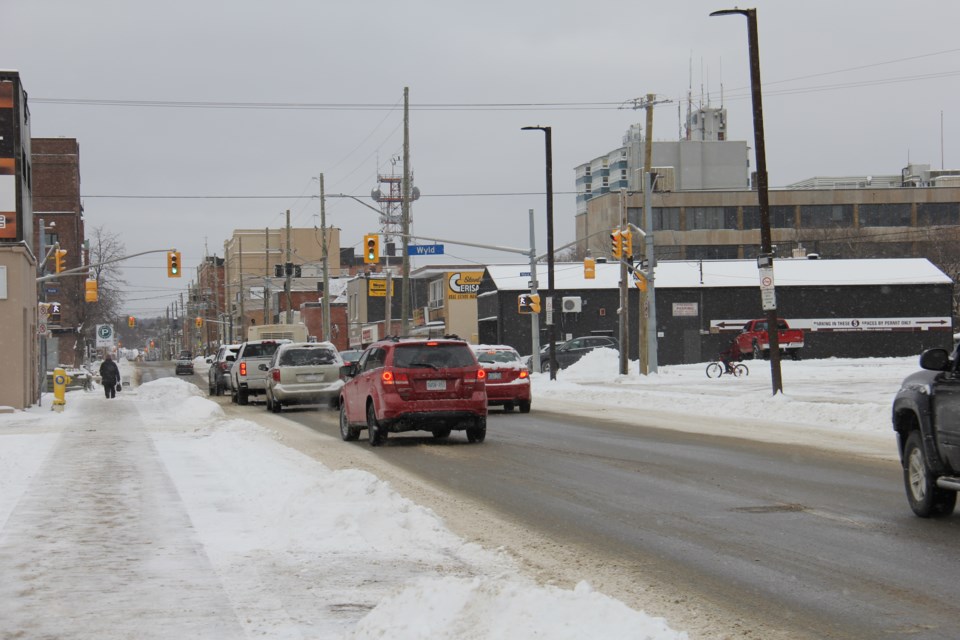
point(304, 373)
point(248, 376)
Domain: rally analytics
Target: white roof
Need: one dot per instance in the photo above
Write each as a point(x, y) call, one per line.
point(687, 274)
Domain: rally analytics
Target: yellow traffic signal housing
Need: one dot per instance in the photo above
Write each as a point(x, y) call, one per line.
point(589, 268)
point(90, 291)
point(60, 260)
point(131, 321)
point(640, 280)
point(198, 322)
point(616, 246)
point(371, 248)
point(626, 244)
point(534, 302)
point(173, 264)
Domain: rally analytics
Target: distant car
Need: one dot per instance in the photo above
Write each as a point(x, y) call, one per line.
point(218, 375)
point(304, 373)
point(508, 379)
point(404, 384)
point(572, 350)
point(184, 366)
point(350, 356)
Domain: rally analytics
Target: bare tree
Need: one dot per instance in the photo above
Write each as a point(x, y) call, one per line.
point(104, 247)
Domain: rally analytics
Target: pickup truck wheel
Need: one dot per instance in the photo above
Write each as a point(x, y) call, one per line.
point(478, 432)
point(795, 354)
point(242, 397)
point(347, 433)
point(926, 499)
point(375, 433)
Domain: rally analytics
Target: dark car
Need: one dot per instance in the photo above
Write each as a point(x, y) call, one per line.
point(184, 363)
point(404, 384)
point(572, 350)
point(926, 417)
point(218, 375)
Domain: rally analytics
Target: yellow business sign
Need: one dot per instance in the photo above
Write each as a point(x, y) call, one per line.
point(463, 285)
point(378, 288)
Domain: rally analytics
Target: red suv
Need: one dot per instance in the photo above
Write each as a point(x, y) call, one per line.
point(404, 384)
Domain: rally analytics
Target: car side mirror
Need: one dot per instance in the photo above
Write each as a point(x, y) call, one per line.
point(263, 367)
point(935, 360)
point(348, 370)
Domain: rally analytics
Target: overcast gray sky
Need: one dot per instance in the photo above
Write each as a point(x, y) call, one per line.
point(851, 87)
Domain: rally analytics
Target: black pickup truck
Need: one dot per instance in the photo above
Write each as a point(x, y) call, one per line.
point(926, 417)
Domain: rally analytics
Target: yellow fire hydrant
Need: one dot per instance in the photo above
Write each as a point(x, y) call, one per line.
point(60, 382)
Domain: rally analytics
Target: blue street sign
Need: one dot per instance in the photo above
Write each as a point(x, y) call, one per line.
point(424, 249)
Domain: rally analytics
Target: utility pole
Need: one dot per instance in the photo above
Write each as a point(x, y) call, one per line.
point(288, 268)
point(405, 220)
point(534, 317)
point(325, 308)
point(624, 312)
point(266, 279)
point(243, 319)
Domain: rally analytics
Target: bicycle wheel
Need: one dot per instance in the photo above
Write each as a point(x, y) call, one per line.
point(714, 370)
point(740, 370)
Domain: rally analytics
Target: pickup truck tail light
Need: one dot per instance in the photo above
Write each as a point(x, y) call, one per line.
point(243, 368)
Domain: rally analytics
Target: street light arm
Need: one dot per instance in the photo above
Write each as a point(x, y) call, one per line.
point(355, 199)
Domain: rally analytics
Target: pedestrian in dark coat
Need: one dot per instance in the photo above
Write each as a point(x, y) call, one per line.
point(109, 376)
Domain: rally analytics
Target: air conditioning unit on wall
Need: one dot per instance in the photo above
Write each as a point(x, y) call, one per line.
point(571, 304)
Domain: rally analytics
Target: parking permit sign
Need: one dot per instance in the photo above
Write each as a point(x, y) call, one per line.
point(105, 335)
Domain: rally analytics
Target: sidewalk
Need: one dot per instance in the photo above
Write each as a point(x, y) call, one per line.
point(101, 542)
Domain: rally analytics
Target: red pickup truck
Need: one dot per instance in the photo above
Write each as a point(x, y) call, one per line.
point(753, 341)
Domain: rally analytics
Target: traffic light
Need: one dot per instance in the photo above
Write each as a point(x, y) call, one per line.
point(616, 245)
point(59, 260)
point(90, 291)
point(173, 264)
point(131, 322)
point(523, 303)
point(589, 268)
point(371, 248)
point(640, 280)
point(534, 302)
point(198, 322)
point(626, 243)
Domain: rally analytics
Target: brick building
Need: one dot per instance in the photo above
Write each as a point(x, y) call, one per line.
point(56, 201)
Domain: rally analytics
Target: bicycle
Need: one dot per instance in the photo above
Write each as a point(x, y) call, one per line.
point(716, 369)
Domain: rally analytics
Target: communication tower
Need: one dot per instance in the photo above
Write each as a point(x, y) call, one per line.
point(389, 194)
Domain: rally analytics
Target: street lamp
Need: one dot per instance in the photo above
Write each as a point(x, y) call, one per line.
point(551, 293)
point(766, 244)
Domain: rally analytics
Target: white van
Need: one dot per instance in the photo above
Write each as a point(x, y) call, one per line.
point(295, 332)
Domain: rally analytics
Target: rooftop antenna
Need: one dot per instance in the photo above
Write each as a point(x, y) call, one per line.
point(689, 96)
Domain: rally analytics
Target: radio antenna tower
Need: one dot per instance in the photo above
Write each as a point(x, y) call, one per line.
point(389, 194)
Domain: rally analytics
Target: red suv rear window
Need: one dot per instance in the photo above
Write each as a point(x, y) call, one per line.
point(432, 355)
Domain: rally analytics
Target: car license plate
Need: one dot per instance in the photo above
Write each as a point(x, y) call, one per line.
point(495, 375)
point(436, 385)
point(310, 377)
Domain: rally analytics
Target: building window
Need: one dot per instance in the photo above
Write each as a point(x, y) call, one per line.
point(781, 217)
point(623, 174)
point(885, 215)
point(666, 219)
point(588, 188)
point(711, 218)
point(606, 182)
point(586, 170)
point(826, 216)
point(937, 213)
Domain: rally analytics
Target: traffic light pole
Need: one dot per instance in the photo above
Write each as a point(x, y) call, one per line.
point(77, 271)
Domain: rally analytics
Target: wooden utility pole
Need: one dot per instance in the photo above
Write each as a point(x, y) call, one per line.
point(266, 279)
point(644, 301)
point(405, 220)
point(325, 305)
point(624, 292)
point(243, 319)
point(288, 269)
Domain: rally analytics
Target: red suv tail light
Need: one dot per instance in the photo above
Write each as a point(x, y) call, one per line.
point(396, 381)
point(478, 376)
point(276, 375)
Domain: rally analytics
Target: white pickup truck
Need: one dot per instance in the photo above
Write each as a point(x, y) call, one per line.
point(248, 376)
